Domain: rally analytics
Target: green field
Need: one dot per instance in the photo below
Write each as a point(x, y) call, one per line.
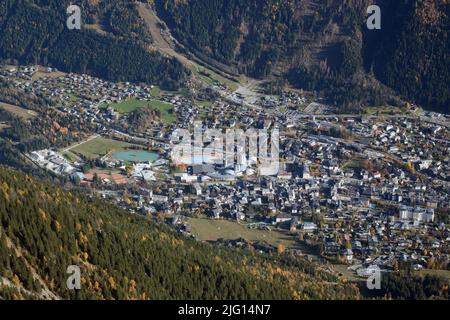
point(71, 156)
point(212, 230)
point(131, 105)
point(388, 110)
point(73, 99)
point(203, 103)
point(98, 147)
point(155, 91)
point(209, 76)
point(184, 92)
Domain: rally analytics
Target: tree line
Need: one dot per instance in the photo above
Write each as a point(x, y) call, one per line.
point(33, 31)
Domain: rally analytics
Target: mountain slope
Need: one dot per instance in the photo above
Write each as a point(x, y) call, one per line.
point(43, 230)
point(411, 53)
point(307, 41)
point(111, 43)
point(316, 45)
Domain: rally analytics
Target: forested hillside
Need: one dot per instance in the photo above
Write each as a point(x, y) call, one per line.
point(43, 230)
point(111, 43)
point(325, 45)
point(317, 45)
point(411, 52)
point(259, 36)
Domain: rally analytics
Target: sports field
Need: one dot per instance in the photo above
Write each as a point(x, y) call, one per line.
point(98, 147)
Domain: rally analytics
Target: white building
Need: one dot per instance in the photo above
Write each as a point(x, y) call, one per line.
point(416, 214)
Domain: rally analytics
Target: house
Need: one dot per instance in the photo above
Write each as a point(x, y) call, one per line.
point(421, 215)
point(201, 169)
point(331, 248)
point(197, 189)
point(349, 255)
point(309, 227)
point(283, 217)
point(294, 223)
point(240, 216)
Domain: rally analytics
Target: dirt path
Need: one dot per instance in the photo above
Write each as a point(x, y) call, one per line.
point(163, 41)
point(159, 41)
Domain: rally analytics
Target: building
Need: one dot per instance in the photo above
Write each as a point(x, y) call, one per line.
point(417, 214)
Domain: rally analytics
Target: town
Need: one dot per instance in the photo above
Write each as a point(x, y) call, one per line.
point(351, 190)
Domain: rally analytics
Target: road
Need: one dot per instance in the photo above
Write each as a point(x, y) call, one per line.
point(163, 44)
